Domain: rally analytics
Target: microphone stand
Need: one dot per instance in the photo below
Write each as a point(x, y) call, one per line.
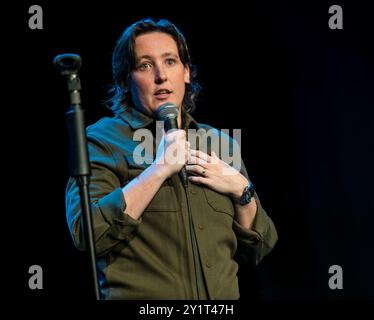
point(79, 168)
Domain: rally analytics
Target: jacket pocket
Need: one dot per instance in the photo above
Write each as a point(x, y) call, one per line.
point(164, 197)
point(163, 201)
point(219, 202)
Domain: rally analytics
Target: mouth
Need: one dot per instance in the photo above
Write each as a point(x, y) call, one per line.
point(162, 93)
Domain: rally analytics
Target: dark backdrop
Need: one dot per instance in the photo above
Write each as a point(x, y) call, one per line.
point(301, 93)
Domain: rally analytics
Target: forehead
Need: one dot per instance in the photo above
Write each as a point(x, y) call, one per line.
point(155, 44)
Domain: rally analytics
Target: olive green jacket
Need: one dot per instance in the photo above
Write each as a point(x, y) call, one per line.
point(152, 258)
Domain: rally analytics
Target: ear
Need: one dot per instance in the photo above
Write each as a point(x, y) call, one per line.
point(187, 74)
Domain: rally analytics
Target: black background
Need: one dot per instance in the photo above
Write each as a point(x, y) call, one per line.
point(301, 93)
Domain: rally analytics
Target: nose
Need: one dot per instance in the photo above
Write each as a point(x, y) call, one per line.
point(160, 75)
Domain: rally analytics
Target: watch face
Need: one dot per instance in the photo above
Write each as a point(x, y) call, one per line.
point(252, 190)
point(247, 195)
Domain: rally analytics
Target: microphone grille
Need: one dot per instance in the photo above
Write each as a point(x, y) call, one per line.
point(167, 111)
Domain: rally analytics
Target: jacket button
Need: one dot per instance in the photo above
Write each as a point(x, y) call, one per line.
point(201, 227)
point(208, 264)
point(193, 191)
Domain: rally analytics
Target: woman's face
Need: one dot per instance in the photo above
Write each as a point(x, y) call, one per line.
point(159, 75)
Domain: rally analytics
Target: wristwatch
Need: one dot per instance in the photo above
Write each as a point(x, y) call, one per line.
point(248, 193)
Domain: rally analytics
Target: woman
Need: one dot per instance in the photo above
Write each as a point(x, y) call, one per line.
point(156, 239)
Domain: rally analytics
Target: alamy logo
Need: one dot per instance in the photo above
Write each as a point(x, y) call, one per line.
point(336, 20)
point(336, 280)
point(36, 19)
point(36, 280)
point(225, 147)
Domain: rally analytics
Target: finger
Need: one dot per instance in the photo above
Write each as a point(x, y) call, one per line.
point(195, 169)
point(187, 152)
point(176, 134)
point(195, 160)
point(214, 158)
point(202, 155)
point(214, 155)
point(199, 180)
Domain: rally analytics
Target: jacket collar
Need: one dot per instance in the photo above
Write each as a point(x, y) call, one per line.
point(137, 119)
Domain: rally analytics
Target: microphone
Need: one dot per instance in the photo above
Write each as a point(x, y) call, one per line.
point(68, 63)
point(168, 113)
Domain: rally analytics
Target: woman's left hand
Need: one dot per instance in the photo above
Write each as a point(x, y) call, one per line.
point(216, 174)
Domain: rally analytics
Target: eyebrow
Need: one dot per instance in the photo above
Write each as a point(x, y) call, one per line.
point(164, 55)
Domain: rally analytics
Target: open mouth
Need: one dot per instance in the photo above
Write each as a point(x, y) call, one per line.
point(163, 93)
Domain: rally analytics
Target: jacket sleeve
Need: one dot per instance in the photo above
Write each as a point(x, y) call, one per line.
point(111, 225)
point(255, 243)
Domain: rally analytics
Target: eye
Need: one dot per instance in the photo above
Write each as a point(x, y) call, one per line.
point(171, 61)
point(144, 66)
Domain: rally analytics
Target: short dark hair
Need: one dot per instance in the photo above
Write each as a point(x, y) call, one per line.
point(123, 62)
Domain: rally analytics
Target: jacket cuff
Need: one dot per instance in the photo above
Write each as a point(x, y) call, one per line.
point(112, 207)
point(249, 237)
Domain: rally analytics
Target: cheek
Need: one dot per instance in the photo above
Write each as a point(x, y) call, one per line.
point(140, 85)
point(186, 77)
point(183, 83)
point(181, 79)
point(182, 88)
point(139, 82)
